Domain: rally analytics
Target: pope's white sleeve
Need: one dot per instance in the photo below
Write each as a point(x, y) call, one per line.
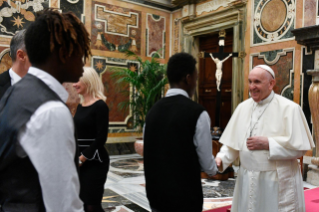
point(278, 152)
point(227, 155)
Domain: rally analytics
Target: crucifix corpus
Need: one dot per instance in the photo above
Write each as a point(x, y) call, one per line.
point(219, 58)
point(219, 67)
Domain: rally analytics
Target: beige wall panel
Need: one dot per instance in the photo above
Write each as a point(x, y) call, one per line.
point(310, 12)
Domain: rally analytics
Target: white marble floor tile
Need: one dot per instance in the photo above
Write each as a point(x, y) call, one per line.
point(126, 188)
point(138, 198)
point(308, 185)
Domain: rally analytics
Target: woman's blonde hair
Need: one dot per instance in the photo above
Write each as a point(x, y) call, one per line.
point(93, 83)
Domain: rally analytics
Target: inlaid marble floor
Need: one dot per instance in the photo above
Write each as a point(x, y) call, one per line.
point(125, 187)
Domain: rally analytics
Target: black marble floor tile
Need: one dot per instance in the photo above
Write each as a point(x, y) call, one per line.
point(112, 199)
point(224, 189)
point(128, 175)
point(135, 208)
point(120, 148)
point(129, 164)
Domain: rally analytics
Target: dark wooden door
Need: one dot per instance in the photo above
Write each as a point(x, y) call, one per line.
point(207, 81)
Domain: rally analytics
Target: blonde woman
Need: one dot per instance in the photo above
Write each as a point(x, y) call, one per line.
point(92, 121)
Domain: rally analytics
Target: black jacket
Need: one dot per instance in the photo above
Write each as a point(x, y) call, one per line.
point(5, 82)
point(20, 188)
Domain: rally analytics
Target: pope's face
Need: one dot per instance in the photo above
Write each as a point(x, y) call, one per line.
point(261, 84)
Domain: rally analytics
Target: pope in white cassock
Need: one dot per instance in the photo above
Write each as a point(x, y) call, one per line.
point(268, 132)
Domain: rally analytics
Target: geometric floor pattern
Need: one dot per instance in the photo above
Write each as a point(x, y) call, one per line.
point(125, 187)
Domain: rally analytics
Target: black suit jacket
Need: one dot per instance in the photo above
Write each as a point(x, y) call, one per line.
point(5, 82)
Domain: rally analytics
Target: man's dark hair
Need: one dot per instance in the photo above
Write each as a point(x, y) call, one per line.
point(53, 30)
point(179, 65)
point(17, 42)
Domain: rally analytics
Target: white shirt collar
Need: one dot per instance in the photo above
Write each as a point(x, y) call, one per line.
point(176, 91)
point(267, 99)
point(51, 82)
point(14, 77)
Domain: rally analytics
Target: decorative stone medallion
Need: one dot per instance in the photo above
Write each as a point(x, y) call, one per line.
point(273, 19)
point(17, 15)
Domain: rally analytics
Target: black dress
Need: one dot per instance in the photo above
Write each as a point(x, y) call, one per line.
point(92, 124)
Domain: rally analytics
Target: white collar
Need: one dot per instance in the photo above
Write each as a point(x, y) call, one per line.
point(14, 77)
point(176, 91)
point(267, 99)
point(50, 81)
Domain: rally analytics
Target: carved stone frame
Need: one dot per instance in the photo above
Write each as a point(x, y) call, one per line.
point(232, 17)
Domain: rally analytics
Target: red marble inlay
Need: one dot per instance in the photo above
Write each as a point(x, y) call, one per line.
point(155, 34)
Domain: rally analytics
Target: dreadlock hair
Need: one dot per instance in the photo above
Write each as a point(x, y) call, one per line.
point(53, 30)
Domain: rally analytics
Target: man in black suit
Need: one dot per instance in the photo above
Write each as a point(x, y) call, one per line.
point(20, 63)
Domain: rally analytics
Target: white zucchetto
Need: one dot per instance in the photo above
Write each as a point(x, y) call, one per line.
point(266, 68)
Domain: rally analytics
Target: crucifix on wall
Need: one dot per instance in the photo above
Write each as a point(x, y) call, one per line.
point(219, 67)
point(219, 58)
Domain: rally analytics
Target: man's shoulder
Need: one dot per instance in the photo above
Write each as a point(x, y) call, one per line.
point(244, 104)
point(187, 102)
point(283, 101)
point(178, 101)
point(53, 108)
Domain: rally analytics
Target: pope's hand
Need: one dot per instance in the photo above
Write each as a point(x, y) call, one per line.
point(258, 143)
point(218, 162)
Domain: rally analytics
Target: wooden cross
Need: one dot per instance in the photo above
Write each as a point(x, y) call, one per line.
point(221, 55)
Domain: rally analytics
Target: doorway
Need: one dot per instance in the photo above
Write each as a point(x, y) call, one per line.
point(207, 89)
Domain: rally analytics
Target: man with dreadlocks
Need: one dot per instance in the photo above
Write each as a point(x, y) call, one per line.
point(38, 159)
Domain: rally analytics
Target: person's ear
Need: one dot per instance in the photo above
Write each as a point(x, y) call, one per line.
point(188, 79)
point(21, 55)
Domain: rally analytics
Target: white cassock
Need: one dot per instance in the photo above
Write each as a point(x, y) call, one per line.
point(267, 181)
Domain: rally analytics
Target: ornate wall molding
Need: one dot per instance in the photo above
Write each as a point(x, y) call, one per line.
point(272, 21)
point(104, 64)
point(213, 22)
point(17, 15)
point(5, 59)
point(155, 35)
point(101, 15)
point(212, 5)
point(308, 36)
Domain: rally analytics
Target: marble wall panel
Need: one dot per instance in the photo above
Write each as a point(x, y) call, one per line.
point(5, 59)
point(176, 32)
point(155, 35)
point(115, 93)
point(283, 69)
point(310, 12)
point(115, 29)
point(76, 6)
point(17, 15)
point(272, 21)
